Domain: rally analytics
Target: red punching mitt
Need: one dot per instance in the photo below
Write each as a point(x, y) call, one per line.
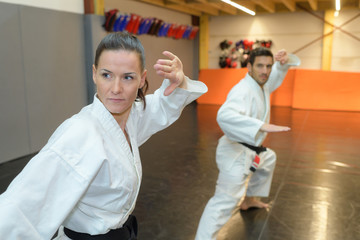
point(193, 32)
point(110, 18)
point(180, 32)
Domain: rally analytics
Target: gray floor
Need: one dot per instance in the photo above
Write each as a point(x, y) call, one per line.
point(315, 192)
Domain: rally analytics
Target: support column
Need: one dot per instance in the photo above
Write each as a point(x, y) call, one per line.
point(94, 7)
point(328, 40)
point(204, 42)
point(94, 32)
point(99, 7)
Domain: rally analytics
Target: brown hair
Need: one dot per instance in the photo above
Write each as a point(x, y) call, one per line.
point(260, 51)
point(124, 41)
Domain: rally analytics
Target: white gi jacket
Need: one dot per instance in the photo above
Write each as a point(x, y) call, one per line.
point(86, 177)
point(247, 106)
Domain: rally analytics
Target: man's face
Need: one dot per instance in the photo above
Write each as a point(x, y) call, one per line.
point(261, 68)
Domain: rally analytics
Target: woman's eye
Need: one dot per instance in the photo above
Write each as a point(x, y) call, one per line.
point(129, 77)
point(105, 75)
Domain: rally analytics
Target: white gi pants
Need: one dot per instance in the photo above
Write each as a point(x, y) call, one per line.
point(231, 185)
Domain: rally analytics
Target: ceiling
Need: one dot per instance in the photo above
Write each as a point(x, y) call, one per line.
point(217, 7)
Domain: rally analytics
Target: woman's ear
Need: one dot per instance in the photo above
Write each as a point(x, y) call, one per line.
point(143, 78)
point(94, 73)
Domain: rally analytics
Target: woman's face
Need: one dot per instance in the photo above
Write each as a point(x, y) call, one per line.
point(118, 77)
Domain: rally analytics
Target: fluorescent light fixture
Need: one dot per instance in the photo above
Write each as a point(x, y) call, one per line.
point(336, 13)
point(337, 5)
point(238, 6)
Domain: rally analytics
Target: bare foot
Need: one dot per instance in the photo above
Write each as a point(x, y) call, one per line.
point(252, 202)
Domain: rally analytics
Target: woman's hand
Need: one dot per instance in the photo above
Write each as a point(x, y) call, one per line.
point(171, 69)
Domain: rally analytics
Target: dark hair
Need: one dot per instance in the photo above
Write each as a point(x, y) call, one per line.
point(260, 51)
point(124, 41)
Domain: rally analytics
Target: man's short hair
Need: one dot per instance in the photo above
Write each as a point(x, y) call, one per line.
point(260, 51)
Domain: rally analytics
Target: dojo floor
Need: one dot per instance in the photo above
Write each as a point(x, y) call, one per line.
point(315, 193)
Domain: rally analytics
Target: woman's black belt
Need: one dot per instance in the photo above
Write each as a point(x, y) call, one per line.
point(127, 232)
point(258, 150)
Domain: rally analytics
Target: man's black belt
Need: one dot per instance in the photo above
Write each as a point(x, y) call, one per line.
point(258, 150)
point(127, 232)
point(255, 163)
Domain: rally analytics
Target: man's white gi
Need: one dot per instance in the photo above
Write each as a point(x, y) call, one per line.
point(246, 109)
point(86, 177)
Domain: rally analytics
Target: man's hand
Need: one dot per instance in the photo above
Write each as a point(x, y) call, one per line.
point(266, 127)
point(171, 69)
point(281, 56)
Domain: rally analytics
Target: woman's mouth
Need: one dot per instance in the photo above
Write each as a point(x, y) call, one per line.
point(116, 100)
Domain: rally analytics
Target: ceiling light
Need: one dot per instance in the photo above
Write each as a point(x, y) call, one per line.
point(238, 6)
point(337, 5)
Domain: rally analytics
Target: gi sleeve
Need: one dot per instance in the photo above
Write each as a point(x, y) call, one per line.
point(40, 198)
point(161, 111)
point(279, 72)
point(234, 117)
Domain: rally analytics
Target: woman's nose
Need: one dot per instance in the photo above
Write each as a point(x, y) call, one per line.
point(117, 87)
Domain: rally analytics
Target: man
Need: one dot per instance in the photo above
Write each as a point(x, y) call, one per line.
point(244, 119)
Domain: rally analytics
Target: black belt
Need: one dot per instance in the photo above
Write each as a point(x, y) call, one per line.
point(127, 232)
point(256, 161)
point(258, 150)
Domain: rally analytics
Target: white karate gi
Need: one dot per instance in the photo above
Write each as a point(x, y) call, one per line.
point(87, 178)
point(245, 110)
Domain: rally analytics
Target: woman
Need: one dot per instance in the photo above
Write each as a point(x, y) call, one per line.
point(87, 177)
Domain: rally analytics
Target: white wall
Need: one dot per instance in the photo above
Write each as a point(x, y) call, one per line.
point(346, 49)
point(291, 31)
point(74, 6)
